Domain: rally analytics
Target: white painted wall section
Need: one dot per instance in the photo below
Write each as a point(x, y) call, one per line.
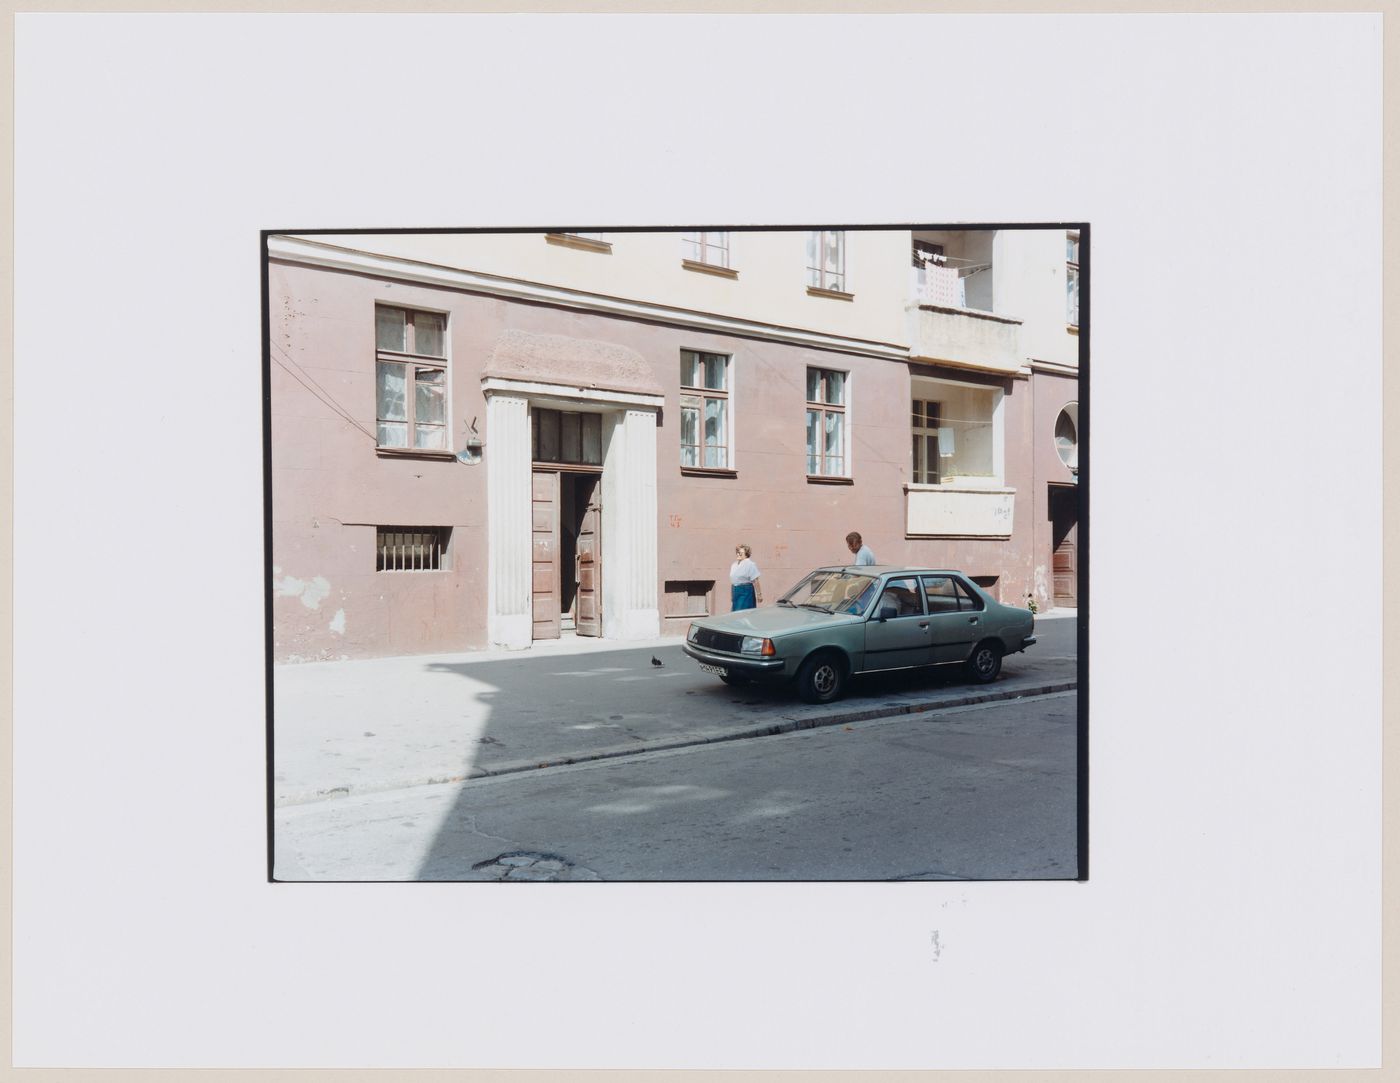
point(508, 497)
point(630, 609)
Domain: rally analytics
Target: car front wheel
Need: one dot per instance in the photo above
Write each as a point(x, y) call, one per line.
point(985, 663)
point(821, 679)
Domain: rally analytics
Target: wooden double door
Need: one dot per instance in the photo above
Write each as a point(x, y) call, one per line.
point(1064, 540)
point(566, 575)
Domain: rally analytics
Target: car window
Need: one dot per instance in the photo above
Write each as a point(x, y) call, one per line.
point(941, 594)
point(903, 596)
point(967, 598)
point(836, 592)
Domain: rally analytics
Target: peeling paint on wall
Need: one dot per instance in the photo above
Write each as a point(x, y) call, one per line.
point(311, 593)
point(338, 622)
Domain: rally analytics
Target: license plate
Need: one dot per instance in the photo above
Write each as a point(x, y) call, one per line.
point(718, 671)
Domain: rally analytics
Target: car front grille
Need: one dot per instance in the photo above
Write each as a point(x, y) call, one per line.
point(719, 641)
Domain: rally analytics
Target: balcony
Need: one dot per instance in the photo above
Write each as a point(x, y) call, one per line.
point(958, 510)
point(965, 337)
point(950, 317)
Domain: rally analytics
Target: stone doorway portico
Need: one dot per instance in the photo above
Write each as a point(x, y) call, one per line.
point(557, 372)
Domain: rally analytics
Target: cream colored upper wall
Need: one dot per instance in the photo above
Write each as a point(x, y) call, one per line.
point(771, 286)
point(1029, 285)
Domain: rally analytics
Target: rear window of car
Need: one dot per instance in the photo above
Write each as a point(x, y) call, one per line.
point(944, 594)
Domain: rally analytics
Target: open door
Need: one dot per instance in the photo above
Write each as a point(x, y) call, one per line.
point(588, 559)
point(544, 577)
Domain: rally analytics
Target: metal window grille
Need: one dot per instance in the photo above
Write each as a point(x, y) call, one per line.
point(412, 548)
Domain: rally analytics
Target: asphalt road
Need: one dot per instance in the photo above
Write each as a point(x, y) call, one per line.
point(350, 728)
point(980, 792)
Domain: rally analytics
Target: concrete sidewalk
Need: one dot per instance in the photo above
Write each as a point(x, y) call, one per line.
point(366, 726)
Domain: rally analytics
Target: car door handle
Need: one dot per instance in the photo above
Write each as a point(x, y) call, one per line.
point(923, 624)
point(971, 620)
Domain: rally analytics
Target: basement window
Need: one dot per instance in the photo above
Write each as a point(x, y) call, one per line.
point(412, 548)
point(689, 598)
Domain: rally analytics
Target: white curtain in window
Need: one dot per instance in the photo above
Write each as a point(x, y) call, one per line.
point(392, 405)
point(836, 388)
point(427, 334)
point(714, 433)
point(690, 431)
point(835, 444)
point(389, 328)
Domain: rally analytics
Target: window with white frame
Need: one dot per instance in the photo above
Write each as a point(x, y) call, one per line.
point(710, 248)
point(411, 378)
point(924, 427)
point(705, 410)
point(1072, 279)
point(954, 432)
point(826, 423)
point(826, 260)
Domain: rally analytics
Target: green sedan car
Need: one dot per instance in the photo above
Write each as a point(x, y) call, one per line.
point(842, 621)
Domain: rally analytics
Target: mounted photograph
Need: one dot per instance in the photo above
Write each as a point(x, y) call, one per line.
point(622, 555)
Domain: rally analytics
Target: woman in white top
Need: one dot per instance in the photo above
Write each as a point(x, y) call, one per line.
point(744, 591)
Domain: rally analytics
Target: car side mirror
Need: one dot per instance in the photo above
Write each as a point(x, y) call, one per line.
point(888, 612)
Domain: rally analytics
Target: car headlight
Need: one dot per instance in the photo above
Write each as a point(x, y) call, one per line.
point(694, 633)
point(757, 645)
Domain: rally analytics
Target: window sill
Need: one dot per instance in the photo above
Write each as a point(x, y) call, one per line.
point(585, 244)
point(413, 453)
point(835, 295)
point(828, 479)
point(708, 472)
point(709, 268)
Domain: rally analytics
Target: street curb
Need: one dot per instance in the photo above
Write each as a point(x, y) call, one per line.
point(772, 729)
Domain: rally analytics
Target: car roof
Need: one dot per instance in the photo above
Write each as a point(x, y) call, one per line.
point(885, 569)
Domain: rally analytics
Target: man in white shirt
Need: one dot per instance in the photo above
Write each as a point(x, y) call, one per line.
point(862, 551)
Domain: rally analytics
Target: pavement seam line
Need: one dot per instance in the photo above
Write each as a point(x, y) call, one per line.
point(786, 724)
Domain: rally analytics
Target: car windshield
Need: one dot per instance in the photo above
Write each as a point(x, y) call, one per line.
point(832, 592)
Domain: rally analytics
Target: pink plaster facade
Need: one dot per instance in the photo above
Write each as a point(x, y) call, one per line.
point(1053, 391)
point(331, 487)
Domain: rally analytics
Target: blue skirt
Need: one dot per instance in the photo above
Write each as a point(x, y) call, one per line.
point(741, 596)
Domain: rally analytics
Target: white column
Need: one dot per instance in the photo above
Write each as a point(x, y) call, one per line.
point(508, 521)
point(630, 608)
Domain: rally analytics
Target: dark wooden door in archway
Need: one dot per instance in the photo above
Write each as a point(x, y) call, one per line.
point(1064, 557)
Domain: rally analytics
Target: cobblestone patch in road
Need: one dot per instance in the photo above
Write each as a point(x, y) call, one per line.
point(530, 867)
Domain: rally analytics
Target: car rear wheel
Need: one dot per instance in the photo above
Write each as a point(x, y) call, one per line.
point(985, 663)
point(821, 679)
